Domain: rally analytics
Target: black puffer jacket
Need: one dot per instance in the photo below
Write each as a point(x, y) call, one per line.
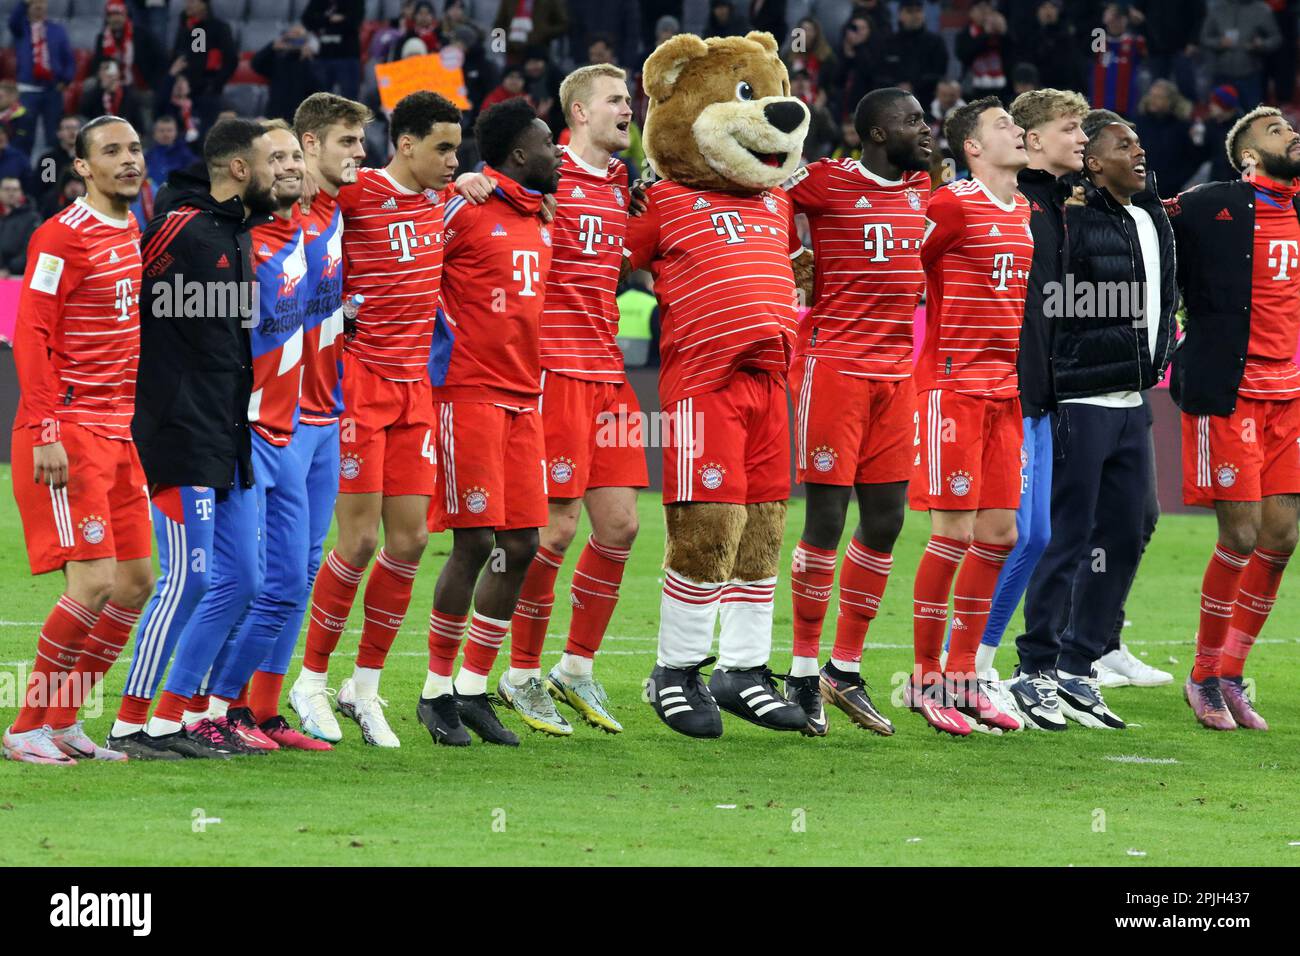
point(1046, 195)
point(196, 370)
point(1107, 349)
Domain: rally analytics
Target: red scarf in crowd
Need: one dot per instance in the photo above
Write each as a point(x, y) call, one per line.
point(214, 61)
point(121, 49)
point(41, 70)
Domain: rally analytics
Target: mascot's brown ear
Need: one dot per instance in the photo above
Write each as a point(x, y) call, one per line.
point(765, 40)
point(665, 64)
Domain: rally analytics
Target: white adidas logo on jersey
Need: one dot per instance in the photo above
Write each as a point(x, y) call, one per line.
point(578, 193)
point(995, 231)
point(862, 203)
point(389, 203)
point(113, 256)
point(701, 203)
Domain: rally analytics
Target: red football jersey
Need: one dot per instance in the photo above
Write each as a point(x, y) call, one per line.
point(77, 335)
point(977, 254)
point(1271, 371)
point(322, 329)
point(498, 256)
point(721, 264)
point(392, 254)
point(866, 234)
point(580, 324)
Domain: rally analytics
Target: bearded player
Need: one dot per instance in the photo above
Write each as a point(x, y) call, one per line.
point(586, 405)
point(977, 254)
point(77, 478)
point(1238, 386)
point(851, 381)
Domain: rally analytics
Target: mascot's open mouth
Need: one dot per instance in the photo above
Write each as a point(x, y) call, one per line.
point(769, 159)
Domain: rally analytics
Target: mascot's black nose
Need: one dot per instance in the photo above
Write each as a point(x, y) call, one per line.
point(785, 115)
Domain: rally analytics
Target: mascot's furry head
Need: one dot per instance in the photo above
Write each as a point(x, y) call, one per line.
point(721, 115)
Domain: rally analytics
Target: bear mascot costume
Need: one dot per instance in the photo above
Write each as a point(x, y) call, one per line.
point(721, 132)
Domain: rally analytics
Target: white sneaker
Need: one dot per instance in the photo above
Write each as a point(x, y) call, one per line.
point(1139, 673)
point(1000, 697)
point(368, 712)
point(1107, 677)
point(312, 705)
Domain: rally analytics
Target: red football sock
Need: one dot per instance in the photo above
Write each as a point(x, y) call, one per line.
point(388, 594)
point(930, 593)
point(241, 700)
point(103, 645)
point(331, 603)
point(133, 710)
point(863, 577)
point(199, 704)
point(533, 610)
point(812, 573)
point(971, 602)
point(593, 594)
point(264, 695)
point(446, 631)
point(171, 706)
point(1218, 597)
point(63, 635)
point(1255, 599)
point(485, 638)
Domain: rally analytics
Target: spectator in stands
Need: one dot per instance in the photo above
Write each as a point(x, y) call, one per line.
point(110, 96)
point(13, 116)
point(848, 78)
point(542, 86)
point(479, 70)
point(1280, 65)
point(667, 26)
point(850, 144)
point(18, 220)
point(168, 151)
point(150, 16)
point(57, 159)
point(180, 105)
point(209, 68)
point(1172, 29)
point(423, 25)
point(1237, 34)
point(619, 23)
point(13, 162)
point(808, 49)
point(337, 25)
point(289, 64)
point(1024, 78)
point(724, 21)
point(1164, 127)
point(986, 52)
point(1211, 133)
point(768, 15)
point(601, 49)
point(1052, 46)
point(823, 130)
point(134, 51)
point(71, 188)
point(512, 85)
point(881, 20)
point(947, 97)
point(914, 57)
point(531, 23)
point(1114, 80)
point(45, 68)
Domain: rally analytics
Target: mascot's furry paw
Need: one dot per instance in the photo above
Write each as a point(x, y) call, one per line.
point(805, 277)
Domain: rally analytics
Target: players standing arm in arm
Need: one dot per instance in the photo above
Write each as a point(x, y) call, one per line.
point(52, 269)
point(943, 227)
point(642, 237)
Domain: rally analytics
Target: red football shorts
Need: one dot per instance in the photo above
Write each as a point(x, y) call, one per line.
point(731, 445)
point(849, 429)
point(386, 435)
point(491, 468)
point(1245, 456)
point(967, 452)
point(102, 512)
point(594, 435)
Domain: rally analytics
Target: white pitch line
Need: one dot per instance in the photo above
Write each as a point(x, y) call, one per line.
point(1134, 758)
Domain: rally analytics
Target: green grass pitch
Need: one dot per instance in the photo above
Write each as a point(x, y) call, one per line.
point(1163, 792)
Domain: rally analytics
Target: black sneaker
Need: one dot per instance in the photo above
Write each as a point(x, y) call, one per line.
point(751, 694)
point(803, 691)
point(140, 746)
point(476, 713)
point(202, 739)
point(848, 692)
point(683, 702)
point(1036, 699)
point(1081, 701)
point(441, 716)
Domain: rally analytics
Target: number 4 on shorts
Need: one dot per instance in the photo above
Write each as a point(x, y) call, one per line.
point(427, 449)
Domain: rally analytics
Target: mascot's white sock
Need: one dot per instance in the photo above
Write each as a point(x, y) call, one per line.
point(746, 639)
point(687, 612)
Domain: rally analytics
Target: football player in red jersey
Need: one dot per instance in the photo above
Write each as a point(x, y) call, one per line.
point(77, 477)
point(491, 452)
point(851, 381)
point(593, 457)
point(977, 254)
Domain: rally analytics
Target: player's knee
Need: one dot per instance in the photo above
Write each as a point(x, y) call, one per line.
point(1002, 537)
point(407, 544)
point(881, 530)
point(135, 591)
point(618, 531)
point(519, 547)
point(1281, 538)
point(472, 546)
point(1240, 537)
point(559, 534)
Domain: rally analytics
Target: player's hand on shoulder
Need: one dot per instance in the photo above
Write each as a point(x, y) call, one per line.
point(548, 208)
point(475, 188)
point(639, 201)
point(1076, 197)
point(50, 464)
point(310, 188)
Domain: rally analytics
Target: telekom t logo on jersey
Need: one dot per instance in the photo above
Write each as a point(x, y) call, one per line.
point(1282, 255)
point(401, 235)
point(122, 300)
point(590, 231)
point(525, 262)
point(1002, 263)
point(728, 224)
point(875, 236)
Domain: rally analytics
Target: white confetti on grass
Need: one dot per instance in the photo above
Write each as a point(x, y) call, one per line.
point(913, 839)
point(1135, 758)
point(1137, 852)
point(725, 806)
